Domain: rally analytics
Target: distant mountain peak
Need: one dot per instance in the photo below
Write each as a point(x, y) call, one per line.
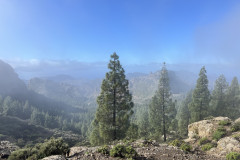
point(10, 84)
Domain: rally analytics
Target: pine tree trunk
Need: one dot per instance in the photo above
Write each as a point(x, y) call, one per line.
point(164, 128)
point(163, 115)
point(114, 115)
point(200, 114)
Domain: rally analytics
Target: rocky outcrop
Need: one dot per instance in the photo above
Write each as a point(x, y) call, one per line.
point(204, 128)
point(6, 148)
point(228, 144)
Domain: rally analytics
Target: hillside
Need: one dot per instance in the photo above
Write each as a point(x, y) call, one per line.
point(82, 93)
point(76, 93)
point(20, 106)
point(20, 131)
point(10, 84)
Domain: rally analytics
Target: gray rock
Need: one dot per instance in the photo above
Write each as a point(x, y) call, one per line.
point(55, 157)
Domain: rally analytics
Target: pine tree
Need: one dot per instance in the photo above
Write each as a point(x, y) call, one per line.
point(218, 103)
point(161, 107)
point(233, 99)
point(114, 105)
point(184, 115)
point(199, 107)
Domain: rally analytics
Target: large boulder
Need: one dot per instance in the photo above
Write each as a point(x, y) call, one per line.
point(205, 128)
point(225, 146)
point(228, 144)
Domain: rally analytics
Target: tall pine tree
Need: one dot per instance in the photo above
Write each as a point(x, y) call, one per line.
point(114, 106)
point(162, 107)
point(218, 103)
point(199, 107)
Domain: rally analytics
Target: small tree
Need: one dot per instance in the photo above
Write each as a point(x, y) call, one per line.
point(114, 105)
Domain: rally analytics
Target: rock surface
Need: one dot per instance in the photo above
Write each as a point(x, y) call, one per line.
point(237, 120)
point(55, 157)
point(6, 148)
point(226, 145)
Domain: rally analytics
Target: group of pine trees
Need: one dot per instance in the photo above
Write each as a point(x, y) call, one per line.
point(200, 103)
point(115, 107)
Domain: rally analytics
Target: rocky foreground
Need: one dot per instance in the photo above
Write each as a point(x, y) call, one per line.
point(145, 150)
point(201, 134)
point(229, 142)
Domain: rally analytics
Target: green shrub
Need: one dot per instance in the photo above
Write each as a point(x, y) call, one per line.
point(233, 156)
point(117, 151)
point(104, 150)
point(50, 147)
point(207, 146)
point(123, 151)
point(235, 127)
point(176, 143)
point(219, 133)
point(130, 152)
point(203, 140)
point(20, 154)
point(224, 123)
point(185, 147)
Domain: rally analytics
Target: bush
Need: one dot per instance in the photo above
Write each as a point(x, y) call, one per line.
point(50, 147)
point(207, 146)
point(235, 127)
point(117, 151)
point(203, 140)
point(176, 143)
point(123, 152)
point(185, 147)
point(104, 150)
point(130, 152)
point(224, 123)
point(219, 133)
point(233, 156)
point(20, 154)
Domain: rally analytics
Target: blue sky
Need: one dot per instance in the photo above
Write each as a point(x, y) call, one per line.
point(142, 32)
